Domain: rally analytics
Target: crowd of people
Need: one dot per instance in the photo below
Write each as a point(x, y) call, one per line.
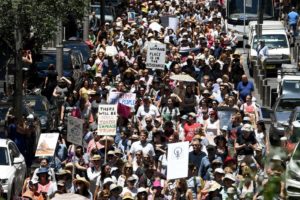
point(226, 161)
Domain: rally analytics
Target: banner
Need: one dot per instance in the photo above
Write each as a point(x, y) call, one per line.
point(178, 155)
point(47, 144)
point(107, 119)
point(75, 130)
point(131, 17)
point(127, 99)
point(156, 56)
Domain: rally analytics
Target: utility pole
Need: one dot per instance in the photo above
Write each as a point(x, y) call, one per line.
point(59, 49)
point(102, 12)
point(86, 21)
point(18, 90)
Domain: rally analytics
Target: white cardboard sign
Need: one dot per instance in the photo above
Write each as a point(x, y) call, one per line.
point(75, 130)
point(156, 56)
point(178, 160)
point(107, 119)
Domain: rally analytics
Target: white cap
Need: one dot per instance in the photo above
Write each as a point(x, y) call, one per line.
point(219, 170)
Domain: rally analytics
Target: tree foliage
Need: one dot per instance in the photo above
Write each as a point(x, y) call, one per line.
point(37, 19)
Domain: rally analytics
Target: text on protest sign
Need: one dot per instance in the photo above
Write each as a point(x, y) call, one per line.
point(47, 144)
point(75, 130)
point(156, 56)
point(107, 119)
point(127, 99)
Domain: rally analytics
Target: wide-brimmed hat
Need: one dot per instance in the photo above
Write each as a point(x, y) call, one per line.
point(34, 181)
point(81, 179)
point(214, 186)
point(116, 188)
point(247, 128)
point(110, 140)
point(96, 157)
point(219, 170)
point(192, 114)
point(62, 172)
point(141, 190)
point(230, 177)
point(42, 170)
point(276, 158)
point(127, 195)
point(107, 180)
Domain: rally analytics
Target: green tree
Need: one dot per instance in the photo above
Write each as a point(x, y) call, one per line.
point(38, 18)
point(35, 22)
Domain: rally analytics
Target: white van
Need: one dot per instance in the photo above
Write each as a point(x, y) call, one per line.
point(275, 36)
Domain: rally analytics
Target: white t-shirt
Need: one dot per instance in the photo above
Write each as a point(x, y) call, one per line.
point(146, 148)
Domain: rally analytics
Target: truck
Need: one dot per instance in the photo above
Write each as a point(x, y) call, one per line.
point(276, 39)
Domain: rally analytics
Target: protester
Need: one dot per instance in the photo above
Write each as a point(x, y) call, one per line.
point(182, 96)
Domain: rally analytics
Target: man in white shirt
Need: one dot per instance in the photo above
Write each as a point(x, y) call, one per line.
point(262, 51)
point(142, 145)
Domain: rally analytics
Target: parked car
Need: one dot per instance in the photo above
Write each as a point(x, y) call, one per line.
point(71, 58)
point(292, 181)
point(281, 111)
point(43, 110)
point(12, 167)
point(77, 44)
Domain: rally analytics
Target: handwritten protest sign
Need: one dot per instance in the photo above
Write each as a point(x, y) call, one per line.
point(107, 119)
point(127, 99)
point(75, 130)
point(47, 144)
point(131, 17)
point(178, 155)
point(156, 56)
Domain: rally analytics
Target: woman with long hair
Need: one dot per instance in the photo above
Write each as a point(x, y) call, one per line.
point(262, 138)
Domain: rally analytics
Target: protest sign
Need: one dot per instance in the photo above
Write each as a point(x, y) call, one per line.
point(107, 119)
point(47, 144)
point(75, 130)
point(178, 155)
point(170, 21)
point(127, 99)
point(173, 23)
point(156, 56)
point(131, 17)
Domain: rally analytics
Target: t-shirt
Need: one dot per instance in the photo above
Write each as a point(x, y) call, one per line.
point(146, 148)
point(293, 17)
point(245, 89)
point(246, 150)
point(151, 110)
point(191, 130)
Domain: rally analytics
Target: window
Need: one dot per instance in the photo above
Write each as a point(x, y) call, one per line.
point(14, 151)
point(4, 159)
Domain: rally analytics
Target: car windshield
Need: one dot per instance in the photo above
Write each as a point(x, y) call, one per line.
point(287, 104)
point(49, 58)
point(4, 159)
point(291, 86)
point(37, 105)
point(236, 8)
point(272, 41)
point(84, 49)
